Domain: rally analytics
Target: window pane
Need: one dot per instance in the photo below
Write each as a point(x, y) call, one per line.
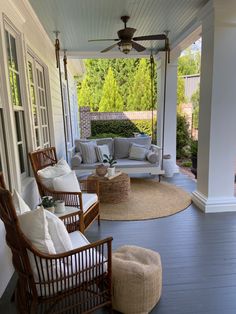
point(21, 156)
point(37, 136)
point(32, 95)
point(30, 68)
point(12, 88)
point(38, 78)
point(8, 49)
point(42, 99)
point(18, 126)
point(17, 89)
point(14, 62)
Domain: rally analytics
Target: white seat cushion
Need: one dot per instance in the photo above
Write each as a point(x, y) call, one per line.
point(78, 239)
point(88, 200)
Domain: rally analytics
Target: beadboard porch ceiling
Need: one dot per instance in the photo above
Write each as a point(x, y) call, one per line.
point(81, 20)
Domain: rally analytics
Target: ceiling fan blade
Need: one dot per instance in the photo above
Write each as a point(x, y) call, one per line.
point(151, 37)
point(116, 39)
point(109, 48)
point(138, 47)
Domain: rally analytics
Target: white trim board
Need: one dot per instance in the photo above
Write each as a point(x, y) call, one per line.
point(214, 205)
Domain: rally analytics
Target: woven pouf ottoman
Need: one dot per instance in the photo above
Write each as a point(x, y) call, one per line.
point(136, 279)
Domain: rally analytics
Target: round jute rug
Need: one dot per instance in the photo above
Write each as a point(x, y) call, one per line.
point(148, 199)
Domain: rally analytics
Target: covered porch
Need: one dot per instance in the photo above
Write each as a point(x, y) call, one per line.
point(35, 113)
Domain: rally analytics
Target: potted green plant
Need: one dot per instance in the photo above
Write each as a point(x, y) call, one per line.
point(194, 152)
point(48, 203)
point(111, 160)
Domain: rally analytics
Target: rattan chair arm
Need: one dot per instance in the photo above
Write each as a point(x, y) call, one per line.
point(92, 245)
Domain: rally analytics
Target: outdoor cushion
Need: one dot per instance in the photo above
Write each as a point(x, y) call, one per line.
point(34, 225)
point(78, 141)
point(88, 200)
point(78, 239)
point(67, 183)
point(137, 152)
point(152, 157)
point(121, 163)
point(106, 141)
point(122, 145)
point(102, 150)
point(20, 206)
point(49, 173)
point(58, 233)
point(76, 160)
point(89, 155)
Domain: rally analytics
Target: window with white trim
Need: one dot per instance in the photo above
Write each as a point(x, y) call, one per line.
point(18, 108)
point(38, 99)
point(67, 116)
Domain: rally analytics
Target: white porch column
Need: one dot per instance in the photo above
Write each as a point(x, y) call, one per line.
point(217, 116)
point(170, 107)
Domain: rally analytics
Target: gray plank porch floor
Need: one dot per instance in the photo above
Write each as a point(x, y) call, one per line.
point(198, 254)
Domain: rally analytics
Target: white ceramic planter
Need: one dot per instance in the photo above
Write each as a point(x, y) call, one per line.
point(59, 206)
point(111, 171)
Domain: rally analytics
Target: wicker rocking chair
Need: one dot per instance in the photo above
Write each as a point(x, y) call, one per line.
point(47, 157)
point(73, 288)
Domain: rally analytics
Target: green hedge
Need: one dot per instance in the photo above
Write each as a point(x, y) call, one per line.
point(123, 128)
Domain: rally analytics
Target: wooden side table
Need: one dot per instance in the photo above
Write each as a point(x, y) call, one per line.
point(115, 190)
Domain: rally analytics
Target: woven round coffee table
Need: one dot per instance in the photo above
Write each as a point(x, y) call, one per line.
point(113, 190)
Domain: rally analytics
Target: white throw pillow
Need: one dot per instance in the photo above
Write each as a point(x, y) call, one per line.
point(102, 150)
point(67, 183)
point(20, 205)
point(138, 152)
point(89, 155)
point(34, 225)
point(49, 173)
point(58, 233)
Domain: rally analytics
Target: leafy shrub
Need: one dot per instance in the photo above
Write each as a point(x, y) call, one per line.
point(183, 138)
point(194, 148)
point(104, 135)
point(187, 164)
point(122, 128)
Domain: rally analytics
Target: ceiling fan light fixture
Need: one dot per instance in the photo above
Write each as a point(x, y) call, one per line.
point(125, 47)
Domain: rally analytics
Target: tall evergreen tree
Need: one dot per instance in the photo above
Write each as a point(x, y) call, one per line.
point(140, 94)
point(111, 100)
point(84, 95)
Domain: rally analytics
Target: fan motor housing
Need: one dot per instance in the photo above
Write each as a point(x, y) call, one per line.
point(126, 33)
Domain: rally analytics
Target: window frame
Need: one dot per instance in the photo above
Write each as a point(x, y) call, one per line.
point(21, 110)
point(41, 96)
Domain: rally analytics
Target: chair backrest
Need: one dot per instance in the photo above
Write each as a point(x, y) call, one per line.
point(15, 239)
point(41, 159)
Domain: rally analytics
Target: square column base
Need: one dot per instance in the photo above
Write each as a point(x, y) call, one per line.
point(213, 204)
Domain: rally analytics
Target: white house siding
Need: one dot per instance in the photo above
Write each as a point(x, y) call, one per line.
point(32, 35)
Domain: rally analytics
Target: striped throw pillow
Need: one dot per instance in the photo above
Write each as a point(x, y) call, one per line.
point(88, 151)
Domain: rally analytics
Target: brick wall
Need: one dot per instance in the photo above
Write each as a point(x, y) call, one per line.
point(85, 124)
point(86, 116)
